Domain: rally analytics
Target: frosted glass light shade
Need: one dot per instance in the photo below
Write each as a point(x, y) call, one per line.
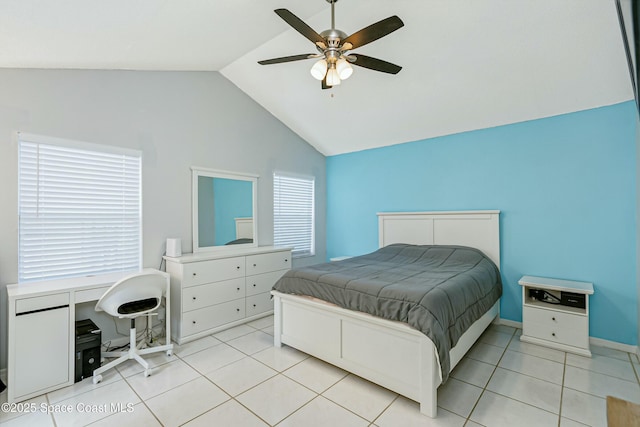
point(344, 69)
point(333, 79)
point(319, 69)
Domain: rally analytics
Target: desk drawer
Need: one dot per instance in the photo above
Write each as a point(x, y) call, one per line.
point(209, 317)
point(264, 263)
point(199, 273)
point(196, 297)
point(263, 282)
point(25, 305)
point(90, 294)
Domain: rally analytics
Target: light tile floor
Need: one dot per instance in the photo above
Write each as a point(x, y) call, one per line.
point(237, 378)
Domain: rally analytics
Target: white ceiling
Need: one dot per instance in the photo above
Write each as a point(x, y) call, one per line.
point(467, 64)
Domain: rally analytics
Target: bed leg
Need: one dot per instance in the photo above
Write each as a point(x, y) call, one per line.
point(277, 321)
point(428, 379)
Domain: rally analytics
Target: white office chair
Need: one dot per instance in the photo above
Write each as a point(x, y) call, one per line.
point(133, 296)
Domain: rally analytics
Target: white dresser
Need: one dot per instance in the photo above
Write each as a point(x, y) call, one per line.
point(218, 290)
point(550, 318)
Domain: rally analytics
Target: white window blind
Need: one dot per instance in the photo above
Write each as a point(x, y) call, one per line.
point(79, 209)
point(293, 218)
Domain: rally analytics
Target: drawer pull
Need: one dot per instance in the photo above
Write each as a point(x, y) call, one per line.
point(238, 268)
point(286, 260)
point(254, 306)
point(194, 322)
point(553, 318)
point(238, 289)
point(553, 334)
point(194, 298)
point(194, 274)
point(237, 309)
point(254, 265)
point(254, 285)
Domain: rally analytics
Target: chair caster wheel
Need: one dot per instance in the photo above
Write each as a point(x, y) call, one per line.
point(97, 379)
point(147, 372)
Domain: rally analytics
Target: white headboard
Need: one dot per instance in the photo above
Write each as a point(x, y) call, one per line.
point(477, 229)
point(244, 228)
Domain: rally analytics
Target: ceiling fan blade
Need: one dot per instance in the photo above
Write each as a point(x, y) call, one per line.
point(300, 26)
point(375, 64)
point(374, 31)
point(288, 59)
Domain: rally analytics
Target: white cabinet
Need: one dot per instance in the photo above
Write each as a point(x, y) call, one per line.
point(555, 313)
point(38, 324)
point(48, 331)
point(218, 290)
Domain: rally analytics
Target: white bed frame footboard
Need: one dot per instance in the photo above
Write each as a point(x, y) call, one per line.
point(391, 354)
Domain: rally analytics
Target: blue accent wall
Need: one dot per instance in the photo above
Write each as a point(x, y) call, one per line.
point(565, 186)
point(232, 199)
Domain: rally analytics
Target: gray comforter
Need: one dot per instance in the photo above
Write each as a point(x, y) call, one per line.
point(438, 290)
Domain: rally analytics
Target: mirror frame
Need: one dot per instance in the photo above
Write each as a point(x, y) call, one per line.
point(197, 172)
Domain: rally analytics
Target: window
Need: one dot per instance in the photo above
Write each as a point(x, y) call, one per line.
point(293, 219)
point(79, 208)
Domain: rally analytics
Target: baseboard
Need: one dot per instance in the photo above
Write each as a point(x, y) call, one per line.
point(507, 322)
point(598, 342)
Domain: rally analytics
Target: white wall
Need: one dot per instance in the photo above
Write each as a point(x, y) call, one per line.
point(177, 119)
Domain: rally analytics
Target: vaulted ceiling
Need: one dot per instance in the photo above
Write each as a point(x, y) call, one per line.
point(467, 64)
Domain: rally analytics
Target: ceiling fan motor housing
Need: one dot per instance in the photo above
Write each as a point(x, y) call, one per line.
point(333, 49)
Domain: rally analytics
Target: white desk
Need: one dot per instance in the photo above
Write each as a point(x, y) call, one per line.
point(41, 331)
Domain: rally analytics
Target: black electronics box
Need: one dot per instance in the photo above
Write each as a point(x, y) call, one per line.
point(572, 299)
point(87, 354)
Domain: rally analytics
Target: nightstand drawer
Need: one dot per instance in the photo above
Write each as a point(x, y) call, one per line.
point(554, 318)
point(570, 337)
point(562, 328)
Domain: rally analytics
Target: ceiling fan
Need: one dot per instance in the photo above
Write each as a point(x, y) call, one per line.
point(334, 48)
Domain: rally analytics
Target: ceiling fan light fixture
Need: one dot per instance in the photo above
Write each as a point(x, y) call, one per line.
point(319, 69)
point(333, 79)
point(344, 69)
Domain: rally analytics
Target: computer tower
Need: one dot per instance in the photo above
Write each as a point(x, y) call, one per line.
point(87, 354)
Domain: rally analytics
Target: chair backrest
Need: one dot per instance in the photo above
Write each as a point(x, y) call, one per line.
point(136, 287)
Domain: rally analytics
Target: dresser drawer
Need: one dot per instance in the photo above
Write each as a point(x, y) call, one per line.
point(209, 317)
point(199, 273)
point(196, 297)
point(263, 263)
point(563, 328)
point(263, 282)
point(260, 303)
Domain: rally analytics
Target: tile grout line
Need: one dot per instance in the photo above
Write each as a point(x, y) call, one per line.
point(633, 366)
point(564, 370)
point(468, 418)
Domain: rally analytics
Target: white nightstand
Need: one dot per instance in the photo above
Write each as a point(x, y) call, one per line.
point(561, 326)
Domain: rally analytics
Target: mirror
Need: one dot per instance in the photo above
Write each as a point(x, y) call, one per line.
point(224, 210)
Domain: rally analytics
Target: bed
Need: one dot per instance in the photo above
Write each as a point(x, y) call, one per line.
point(390, 353)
